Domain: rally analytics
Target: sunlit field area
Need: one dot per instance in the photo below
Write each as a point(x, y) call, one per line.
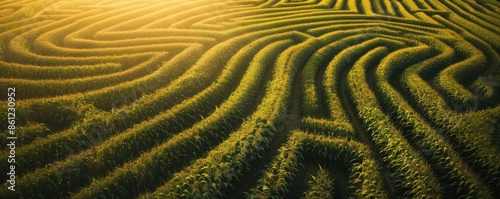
point(250, 99)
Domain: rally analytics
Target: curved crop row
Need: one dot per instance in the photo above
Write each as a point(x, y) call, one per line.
point(57, 72)
point(201, 136)
point(426, 139)
point(208, 177)
point(328, 128)
point(47, 88)
point(469, 132)
point(364, 174)
point(59, 143)
point(335, 68)
point(418, 179)
point(245, 98)
point(450, 79)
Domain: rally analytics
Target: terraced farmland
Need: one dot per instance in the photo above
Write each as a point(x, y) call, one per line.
point(250, 98)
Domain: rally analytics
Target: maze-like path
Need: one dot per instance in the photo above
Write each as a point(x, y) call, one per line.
point(251, 98)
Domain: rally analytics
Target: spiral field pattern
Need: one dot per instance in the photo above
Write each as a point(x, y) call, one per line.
point(252, 98)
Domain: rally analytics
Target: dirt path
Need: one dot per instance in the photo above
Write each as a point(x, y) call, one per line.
point(293, 120)
point(318, 83)
point(300, 184)
point(350, 109)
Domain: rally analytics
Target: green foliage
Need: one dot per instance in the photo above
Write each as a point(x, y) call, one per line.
point(321, 186)
point(418, 179)
point(188, 99)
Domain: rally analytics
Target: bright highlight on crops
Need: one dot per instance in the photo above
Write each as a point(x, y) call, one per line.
point(250, 98)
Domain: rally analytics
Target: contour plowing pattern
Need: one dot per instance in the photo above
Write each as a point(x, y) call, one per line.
point(253, 98)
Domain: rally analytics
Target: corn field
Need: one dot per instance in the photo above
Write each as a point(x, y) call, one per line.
point(250, 99)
